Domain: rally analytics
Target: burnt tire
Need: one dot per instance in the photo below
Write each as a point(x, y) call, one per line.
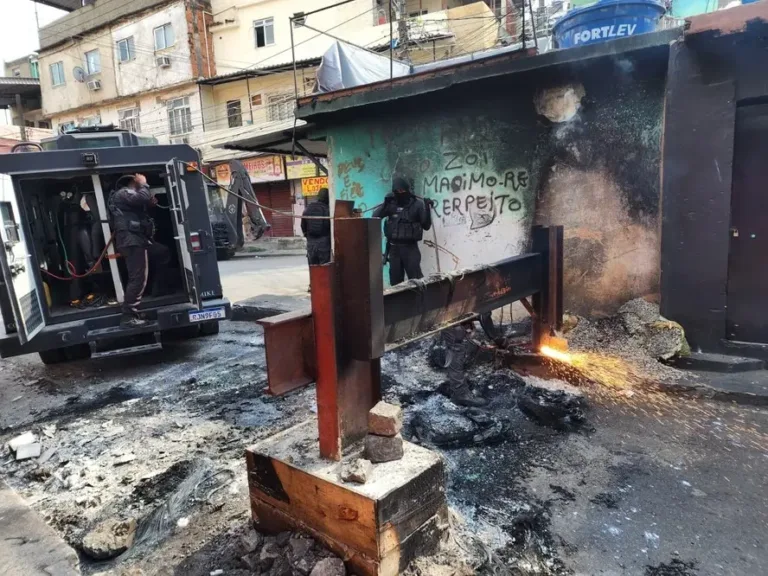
point(55, 356)
point(209, 328)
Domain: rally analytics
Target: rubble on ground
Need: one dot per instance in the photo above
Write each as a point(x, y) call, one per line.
point(109, 539)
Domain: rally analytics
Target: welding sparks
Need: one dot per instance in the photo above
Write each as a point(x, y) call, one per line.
point(556, 354)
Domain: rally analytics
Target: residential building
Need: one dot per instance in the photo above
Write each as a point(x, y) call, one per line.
point(131, 64)
point(22, 79)
point(256, 88)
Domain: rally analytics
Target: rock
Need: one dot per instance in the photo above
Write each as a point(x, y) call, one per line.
point(305, 564)
point(282, 539)
point(21, 440)
point(251, 561)
point(28, 451)
point(665, 339)
point(281, 567)
point(329, 567)
point(358, 471)
point(269, 553)
point(251, 541)
point(109, 539)
point(383, 448)
point(47, 455)
point(569, 322)
point(300, 547)
point(385, 419)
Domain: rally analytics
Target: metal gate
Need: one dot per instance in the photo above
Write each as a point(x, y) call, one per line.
point(747, 315)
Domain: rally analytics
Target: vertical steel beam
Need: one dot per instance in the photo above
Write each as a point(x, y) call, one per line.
point(360, 317)
point(555, 287)
point(323, 296)
point(540, 300)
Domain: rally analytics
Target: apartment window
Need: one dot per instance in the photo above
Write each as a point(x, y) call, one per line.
point(129, 119)
point(280, 107)
point(417, 14)
point(91, 121)
point(93, 62)
point(34, 69)
point(17, 72)
point(65, 127)
point(164, 37)
point(234, 114)
point(126, 49)
point(179, 116)
point(264, 32)
point(44, 124)
point(256, 100)
point(57, 73)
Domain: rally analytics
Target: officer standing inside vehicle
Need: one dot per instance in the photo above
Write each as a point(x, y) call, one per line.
point(133, 227)
point(407, 216)
point(317, 230)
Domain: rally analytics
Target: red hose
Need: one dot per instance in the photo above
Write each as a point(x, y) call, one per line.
point(71, 268)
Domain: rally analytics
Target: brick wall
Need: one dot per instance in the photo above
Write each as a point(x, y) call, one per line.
point(201, 53)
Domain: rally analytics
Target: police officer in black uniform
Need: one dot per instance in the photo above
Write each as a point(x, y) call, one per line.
point(130, 206)
point(318, 230)
point(406, 219)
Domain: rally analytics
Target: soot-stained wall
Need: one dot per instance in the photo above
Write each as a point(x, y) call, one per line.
point(577, 146)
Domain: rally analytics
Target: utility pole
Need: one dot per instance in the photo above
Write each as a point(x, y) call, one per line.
point(402, 29)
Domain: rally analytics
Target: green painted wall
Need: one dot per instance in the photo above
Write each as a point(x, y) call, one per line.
point(577, 146)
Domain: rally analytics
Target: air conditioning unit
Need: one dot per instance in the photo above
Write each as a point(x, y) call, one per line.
point(94, 85)
point(163, 62)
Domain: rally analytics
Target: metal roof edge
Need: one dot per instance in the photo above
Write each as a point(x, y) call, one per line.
point(310, 107)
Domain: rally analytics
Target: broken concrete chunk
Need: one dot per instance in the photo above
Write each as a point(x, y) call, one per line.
point(269, 553)
point(251, 541)
point(28, 451)
point(109, 539)
point(282, 539)
point(383, 448)
point(281, 567)
point(358, 471)
point(18, 441)
point(329, 567)
point(300, 547)
point(385, 419)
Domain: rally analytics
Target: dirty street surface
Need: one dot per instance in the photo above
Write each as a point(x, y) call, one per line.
point(559, 474)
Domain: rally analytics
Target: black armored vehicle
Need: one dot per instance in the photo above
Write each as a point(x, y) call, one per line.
point(62, 282)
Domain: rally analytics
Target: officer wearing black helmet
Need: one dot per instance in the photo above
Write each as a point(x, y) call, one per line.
point(407, 216)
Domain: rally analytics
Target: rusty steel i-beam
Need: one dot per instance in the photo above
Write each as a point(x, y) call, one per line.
point(353, 322)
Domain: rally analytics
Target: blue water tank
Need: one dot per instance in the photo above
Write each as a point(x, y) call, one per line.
point(606, 20)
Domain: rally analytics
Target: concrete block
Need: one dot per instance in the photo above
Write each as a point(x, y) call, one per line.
point(385, 419)
point(21, 440)
point(383, 448)
point(28, 451)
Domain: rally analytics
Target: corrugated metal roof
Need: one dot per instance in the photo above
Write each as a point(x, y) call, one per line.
point(258, 71)
point(18, 81)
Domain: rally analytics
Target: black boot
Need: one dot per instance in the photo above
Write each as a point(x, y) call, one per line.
point(462, 395)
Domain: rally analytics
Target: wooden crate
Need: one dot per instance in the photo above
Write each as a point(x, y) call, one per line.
point(377, 528)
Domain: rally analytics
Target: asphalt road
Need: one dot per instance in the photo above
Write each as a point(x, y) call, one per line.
point(246, 277)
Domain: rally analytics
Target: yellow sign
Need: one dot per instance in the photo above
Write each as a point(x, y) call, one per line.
point(311, 186)
point(299, 167)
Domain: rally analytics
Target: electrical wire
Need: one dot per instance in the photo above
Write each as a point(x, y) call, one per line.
point(71, 268)
point(261, 206)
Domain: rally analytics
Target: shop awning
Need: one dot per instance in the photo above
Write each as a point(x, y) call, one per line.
point(286, 137)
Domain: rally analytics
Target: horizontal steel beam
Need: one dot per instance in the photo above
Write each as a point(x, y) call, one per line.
point(419, 308)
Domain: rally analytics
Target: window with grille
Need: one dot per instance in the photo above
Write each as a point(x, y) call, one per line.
point(57, 73)
point(264, 32)
point(126, 49)
point(179, 116)
point(129, 119)
point(234, 113)
point(65, 127)
point(93, 62)
point(91, 120)
point(280, 107)
point(164, 37)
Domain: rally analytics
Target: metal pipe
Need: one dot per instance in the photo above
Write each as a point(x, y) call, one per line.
point(533, 23)
point(293, 57)
point(391, 44)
